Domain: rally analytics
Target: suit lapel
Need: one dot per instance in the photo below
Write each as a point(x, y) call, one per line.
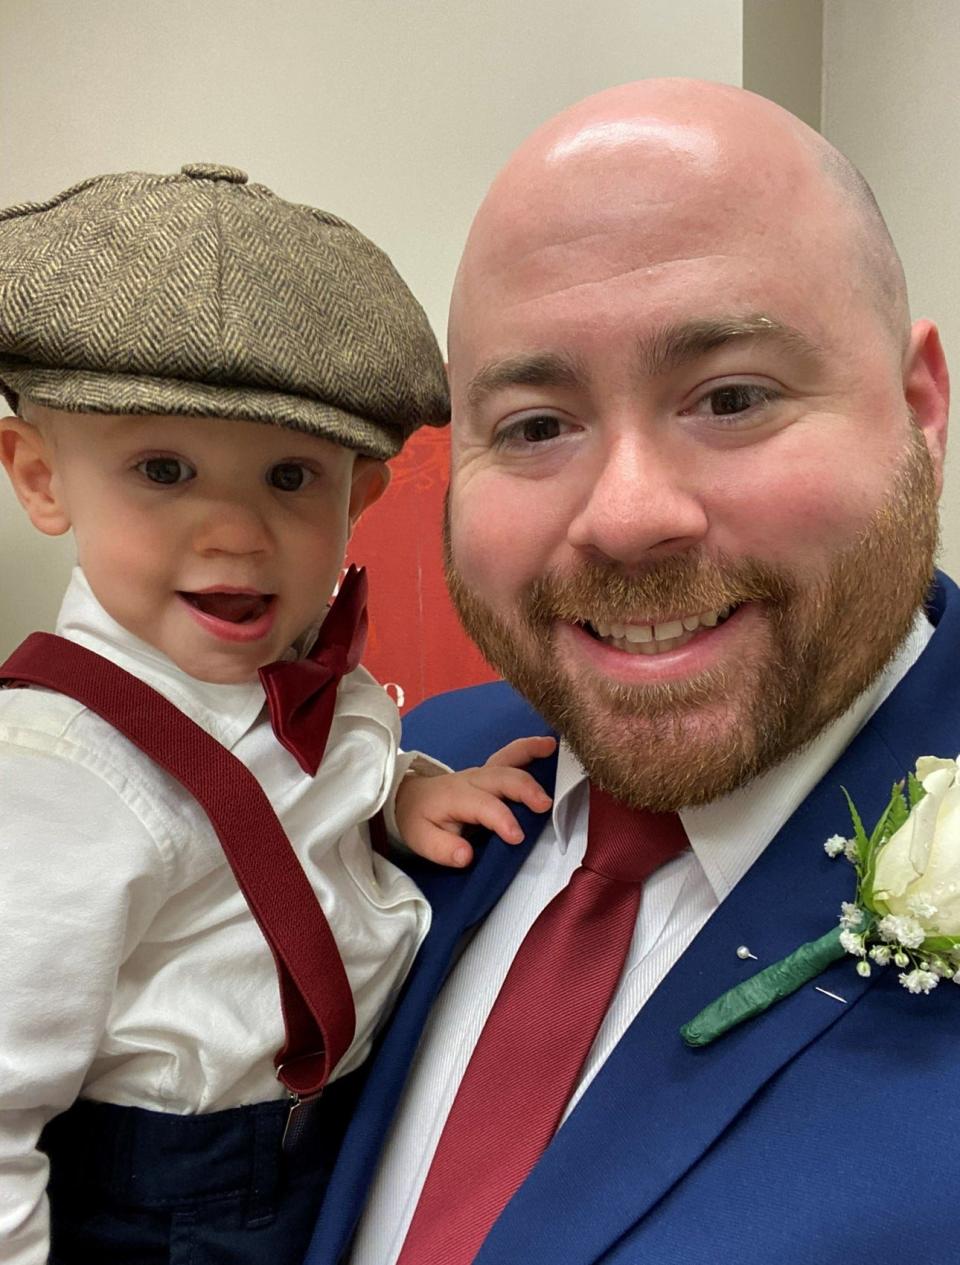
point(623, 1148)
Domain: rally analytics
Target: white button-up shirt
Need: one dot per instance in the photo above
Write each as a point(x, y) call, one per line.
point(131, 970)
point(726, 837)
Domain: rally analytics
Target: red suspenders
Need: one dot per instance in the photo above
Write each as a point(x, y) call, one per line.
point(315, 995)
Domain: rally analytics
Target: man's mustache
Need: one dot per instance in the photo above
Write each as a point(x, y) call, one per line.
point(680, 585)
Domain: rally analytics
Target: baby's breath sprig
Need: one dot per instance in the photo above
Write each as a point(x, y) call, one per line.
point(905, 911)
point(871, 932)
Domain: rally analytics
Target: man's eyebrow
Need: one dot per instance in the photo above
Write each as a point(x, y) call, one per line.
point(675, 345)
point(543, 369)
point(665, 350)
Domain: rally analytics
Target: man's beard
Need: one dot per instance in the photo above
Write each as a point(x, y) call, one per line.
point(821, 644)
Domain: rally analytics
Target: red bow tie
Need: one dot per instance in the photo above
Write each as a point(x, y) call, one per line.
point(302, 694)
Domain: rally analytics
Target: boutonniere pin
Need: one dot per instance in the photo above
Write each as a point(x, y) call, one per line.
point(905, 912)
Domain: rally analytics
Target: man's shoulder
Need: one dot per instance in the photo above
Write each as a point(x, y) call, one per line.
point(464, 726)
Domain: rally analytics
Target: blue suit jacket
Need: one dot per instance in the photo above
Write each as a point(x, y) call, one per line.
point(818, 1133)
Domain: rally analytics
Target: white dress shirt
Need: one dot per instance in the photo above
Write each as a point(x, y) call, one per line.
point(726, 837)
point(131, 969)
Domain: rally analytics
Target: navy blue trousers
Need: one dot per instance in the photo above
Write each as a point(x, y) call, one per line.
point(135, 1187)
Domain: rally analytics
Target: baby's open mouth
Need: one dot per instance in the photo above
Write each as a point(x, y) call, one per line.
point(234, 608)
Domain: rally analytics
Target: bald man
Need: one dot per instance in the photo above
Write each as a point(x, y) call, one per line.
point(697, 451)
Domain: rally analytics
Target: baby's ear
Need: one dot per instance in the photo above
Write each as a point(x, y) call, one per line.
point(370, 479)
point(27, 458)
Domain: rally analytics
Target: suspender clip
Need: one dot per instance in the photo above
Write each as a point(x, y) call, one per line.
point(303, 1109)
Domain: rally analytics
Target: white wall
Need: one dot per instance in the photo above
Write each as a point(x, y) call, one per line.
point(890, 103)
point(393, 114)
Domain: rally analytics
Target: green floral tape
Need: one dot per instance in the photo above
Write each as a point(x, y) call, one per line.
point(762, 990)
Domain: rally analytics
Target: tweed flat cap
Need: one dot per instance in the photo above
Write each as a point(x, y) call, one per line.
point(204, 295)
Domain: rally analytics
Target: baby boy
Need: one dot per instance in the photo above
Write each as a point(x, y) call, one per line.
point(207, 381)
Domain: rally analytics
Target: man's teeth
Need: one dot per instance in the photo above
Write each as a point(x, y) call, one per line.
point(656, 638)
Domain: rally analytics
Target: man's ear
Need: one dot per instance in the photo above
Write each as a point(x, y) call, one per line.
point(27, 458)
point(370, 479)
point(926, 388)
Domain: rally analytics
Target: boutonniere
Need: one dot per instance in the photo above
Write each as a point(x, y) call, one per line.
point(905, 912)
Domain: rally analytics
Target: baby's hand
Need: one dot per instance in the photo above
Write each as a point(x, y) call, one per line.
point(431, 811)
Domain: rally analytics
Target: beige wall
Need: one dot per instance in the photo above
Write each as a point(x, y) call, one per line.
point(394, 113)
point(783, 54)
point(890, 103)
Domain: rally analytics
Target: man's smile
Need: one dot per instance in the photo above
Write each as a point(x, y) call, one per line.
point(721, 639)
point(656, 637)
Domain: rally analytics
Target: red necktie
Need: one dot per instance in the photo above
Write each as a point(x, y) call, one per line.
point(527, 1061)
point(302, 694)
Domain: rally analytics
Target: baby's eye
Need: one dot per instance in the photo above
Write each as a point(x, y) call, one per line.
point(289, 476)
point(166, 470)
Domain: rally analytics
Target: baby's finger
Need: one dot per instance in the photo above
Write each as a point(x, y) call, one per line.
point(521, 751)
point(443, 847)
point(487, 810)
point(511, 783)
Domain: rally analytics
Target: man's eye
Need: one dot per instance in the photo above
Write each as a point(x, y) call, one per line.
point(737, 398)
point(166, 470)
point(289, 476)
point(536, 429)
point(531, 430)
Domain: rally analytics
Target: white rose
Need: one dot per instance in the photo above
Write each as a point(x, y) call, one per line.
point(918, 870)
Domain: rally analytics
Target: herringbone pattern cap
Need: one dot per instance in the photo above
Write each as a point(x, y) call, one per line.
point(201, 294)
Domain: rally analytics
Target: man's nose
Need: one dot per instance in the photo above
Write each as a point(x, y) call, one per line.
point(231, 526)
point(642, 502)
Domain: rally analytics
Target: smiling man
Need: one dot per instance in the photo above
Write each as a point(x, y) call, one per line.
point(697, 451)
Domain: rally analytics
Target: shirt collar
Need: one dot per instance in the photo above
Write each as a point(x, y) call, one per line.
point(226, 712)
point(729, 834)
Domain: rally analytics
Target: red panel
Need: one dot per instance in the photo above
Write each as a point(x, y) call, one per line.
point(415, 641)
